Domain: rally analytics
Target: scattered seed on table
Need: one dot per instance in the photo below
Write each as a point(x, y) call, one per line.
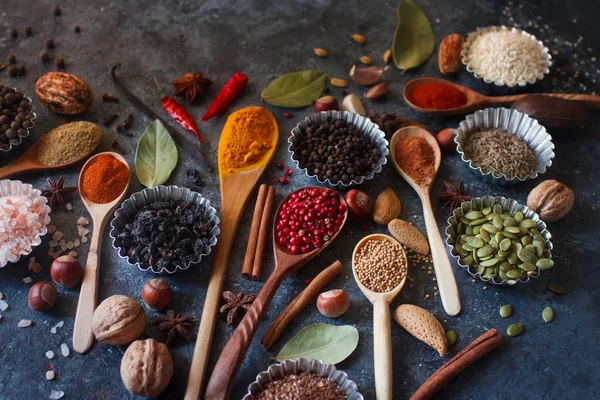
point(556, 288)
point(548, 314)
point(451, 337)
point(505, 311)
point(515, 329)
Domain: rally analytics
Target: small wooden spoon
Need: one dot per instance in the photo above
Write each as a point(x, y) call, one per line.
point(443, 270)
point(29, 162)
point(225, 372)
point(476, 100)
point(382, 334)
point(83, 337)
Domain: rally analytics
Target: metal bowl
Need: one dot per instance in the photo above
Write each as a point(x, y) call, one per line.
point(516, 123)
point(364, 124)
point(510, 205)
point(20, 138)
point(302, 365)
point(18, 188)
point(130, 207)
point(473, 35)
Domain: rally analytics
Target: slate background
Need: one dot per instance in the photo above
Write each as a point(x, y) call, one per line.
point(264, 40)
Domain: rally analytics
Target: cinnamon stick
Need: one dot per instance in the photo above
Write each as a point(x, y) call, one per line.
point(465, 358)
point(298, 304)
point(263, 232)
point(254, 229)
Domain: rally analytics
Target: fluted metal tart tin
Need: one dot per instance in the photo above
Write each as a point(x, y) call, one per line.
point(364, 124)
point(130, 207)
point(27, 130)
point(514, 122)
point(509, 205)
point(299, 366)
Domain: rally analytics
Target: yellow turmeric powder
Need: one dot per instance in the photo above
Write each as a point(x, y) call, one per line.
point(247, 136)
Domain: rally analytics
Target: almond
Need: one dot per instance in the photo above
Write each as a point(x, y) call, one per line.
point(64, 93)
point(409, 236)
point(338, 82)
point(387, 56)
point(449, 55)
point(423, 325)
point(320, 52)
point(366, 60)
point(387, 207)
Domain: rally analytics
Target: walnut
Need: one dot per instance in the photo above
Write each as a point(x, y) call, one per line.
point(146, 368)
point(551, 200)
point(118, 320)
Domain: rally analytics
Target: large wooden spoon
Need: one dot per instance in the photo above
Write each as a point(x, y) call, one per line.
point(443, 269)
point(83, 337)
point(476, 100)
point(382, 334)
point(225, 372)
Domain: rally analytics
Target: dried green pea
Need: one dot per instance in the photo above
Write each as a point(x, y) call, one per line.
point(548, 314)
point(451, 337)
point(505, 311)
point(514, 329)
point(544, 263)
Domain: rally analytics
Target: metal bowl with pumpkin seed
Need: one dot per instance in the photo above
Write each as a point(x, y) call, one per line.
point(499, 240)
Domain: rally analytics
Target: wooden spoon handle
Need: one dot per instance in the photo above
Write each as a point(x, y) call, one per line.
point(16, 167)
point(83, 336)
point(382, 339)
point(441, 264)
point(225, 372)
point(587, 100)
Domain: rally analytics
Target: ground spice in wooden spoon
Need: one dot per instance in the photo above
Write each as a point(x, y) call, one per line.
point(68, 143)
point(416, 158)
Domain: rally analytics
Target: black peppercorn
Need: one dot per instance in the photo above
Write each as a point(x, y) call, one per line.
point(56, 11)
point(28, 31)
point(13, 33)
point(21, 69)
point(49, 43)
point(77, 29)
point(12, 71)
point(60, 62)
point(44, 56)
point(11, 59)
point(1, 67)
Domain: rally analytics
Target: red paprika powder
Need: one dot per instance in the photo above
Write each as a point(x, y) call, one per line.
point(104, 179)
point(437, 96)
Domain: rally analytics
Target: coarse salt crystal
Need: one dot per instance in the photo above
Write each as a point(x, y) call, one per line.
point(84, 239)
point(3, 305)
point(61, 242)
point(63, 247)
point(59, 324)
point(64, 349)
point(27, 279)
point(73, 254)
point(0, 295)
point(69, 206)
point(50, 354)
point(53, 243)
point(76, 243)
point(56, 394)
point(82, 221)
point(24, 323)
point(70, 245)
point(57, 235)
point(50, 375)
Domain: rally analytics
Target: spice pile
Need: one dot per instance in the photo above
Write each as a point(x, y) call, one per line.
point(68, 143)
point(16, 116)
point(437, 96)
point(416, 158)
point(380, 265)
point(303, 386)
point(104, 179)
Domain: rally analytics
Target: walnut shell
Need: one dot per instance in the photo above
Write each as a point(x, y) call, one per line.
point(386, 207)
point(146, 368)
point(118, 320)
point(63, 93)
point(551, 199)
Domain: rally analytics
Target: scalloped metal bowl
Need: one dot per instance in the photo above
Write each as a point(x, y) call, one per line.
point(27, 131)
point(516, 123)
point(510, 205)
point(364, 124)
point(471, 37)
point(130, 207)
point(302, 365)
point(16, 188)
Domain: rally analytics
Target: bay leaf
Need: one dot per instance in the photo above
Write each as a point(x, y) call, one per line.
point(329, 343)
point(156, 155)
point(296, 89)
point(413, 41)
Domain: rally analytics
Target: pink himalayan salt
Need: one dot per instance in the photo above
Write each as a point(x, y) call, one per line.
point(21, 222)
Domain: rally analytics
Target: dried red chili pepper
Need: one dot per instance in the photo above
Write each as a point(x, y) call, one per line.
point(227, 95)
point(178, 113)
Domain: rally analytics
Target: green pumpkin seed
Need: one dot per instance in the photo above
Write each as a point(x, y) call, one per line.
point(514, 273)
point(476, 230)
point(502, 275)
point(460, 250)
point(512, 229)
point(498, 209)
point(509, 235)
point(526, 240)
point(485, 235)
point(532, 273)
point(475, 242)
point(461, 228)
point(539, 250)
point(480, 270)
point(514, 329)
point(485, 251)
point(526, 255)
point(490, 228)
point(538, 242)
point(488, 257)
point(451, 337)
point(499, 237)
point(519, 216)
point(490, 262)
point(486, 210)
point(505, 244)
point(467, 247)
point(505, 311)
point(509, 221)
point(548, 314)
point(473, 215)
point(513, 258)
point(469, 230)
point(527, 223)
point(556, 288)
point(505, 266)
point(527, 267)
point(497, 222)
point(544, 263)
point(494, 244)
point(465, 221)
point(467, 260)
point(530, 247)
point(478, 221)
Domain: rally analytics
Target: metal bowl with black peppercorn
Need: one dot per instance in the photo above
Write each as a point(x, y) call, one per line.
point(338, 148)
point(16, 117)
point(186, 229)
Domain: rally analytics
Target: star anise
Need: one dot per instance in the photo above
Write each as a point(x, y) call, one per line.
point(236, 306)
point(58, 191)
point(454, 195)
point(191, 85)
point(176, 325)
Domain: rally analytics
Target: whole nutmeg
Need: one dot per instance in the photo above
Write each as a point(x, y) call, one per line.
point(66, 271)
point(326, 103)
point(118, 320)
point(359, 204)
point(551, 199)
point(42, 296)
point(449, 56)
point(446, 139)
point(387, 207)
point(157, 294)
point(333, 303)
point(63, 93)
point(146, 368)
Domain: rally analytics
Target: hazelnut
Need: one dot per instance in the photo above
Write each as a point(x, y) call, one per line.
point(42, 296)
point(551, 199)
point(157, 294)
point(326, 103)
point(333, 303)
point(446, 140)
point(118, 320)
point(66, 271)
point(146, 368)
point(359, 204)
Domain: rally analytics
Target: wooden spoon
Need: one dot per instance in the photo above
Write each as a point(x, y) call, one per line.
point(476, 100)
point(29, 162)
point(382, 334)
point(225, 372)
point(83, 337)
point(443, 270)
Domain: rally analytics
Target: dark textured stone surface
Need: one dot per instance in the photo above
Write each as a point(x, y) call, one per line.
point(265, 39)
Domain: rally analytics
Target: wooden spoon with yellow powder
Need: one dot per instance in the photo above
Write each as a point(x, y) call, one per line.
point(247, 145)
